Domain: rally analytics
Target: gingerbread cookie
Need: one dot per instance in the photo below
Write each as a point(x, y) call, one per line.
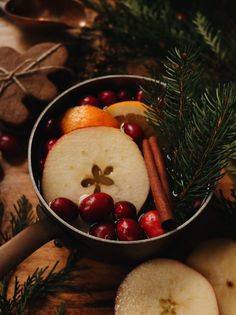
point(23, 75)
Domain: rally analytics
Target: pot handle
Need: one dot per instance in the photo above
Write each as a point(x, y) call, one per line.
point(25, 243)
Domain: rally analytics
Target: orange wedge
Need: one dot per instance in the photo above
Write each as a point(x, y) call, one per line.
point(130, 111)
point(86, 116)
point(225, 185)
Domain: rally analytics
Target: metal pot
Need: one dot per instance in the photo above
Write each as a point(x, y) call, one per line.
point(50, 226)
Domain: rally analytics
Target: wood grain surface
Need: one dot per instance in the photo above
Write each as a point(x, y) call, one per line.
point(95, 283)
point(98, 279)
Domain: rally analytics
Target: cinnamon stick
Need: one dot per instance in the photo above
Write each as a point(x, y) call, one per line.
point(160, 198)
point(160, 165)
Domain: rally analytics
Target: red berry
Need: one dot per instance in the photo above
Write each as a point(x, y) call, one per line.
point(48, 146)
point(65, 208)
point(9, 145)
point(128, 230)
point(151, 224)
point(52, 128)
point(197, 203)
point(96, 207)
point(134, 131)
point(89, 100)
point(139, 96)
point(124, 209)
point(123, 95)
point(107, 97)
point(182, 17)
point(104, 230)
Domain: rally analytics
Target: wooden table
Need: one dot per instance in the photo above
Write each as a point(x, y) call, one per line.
point(100, 280)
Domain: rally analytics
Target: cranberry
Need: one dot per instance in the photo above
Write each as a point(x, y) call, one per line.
point(89, 100)
point(65, 208)
point(52, 129)
point(107, 97)
point(197, 203)
point(180, 16)
point(128, 230)
point(139, 96)
point(123, 95)
point(103, 230)
point(151, 224)
point(124, 209)
point(134, 131)
point(9, 145)
point(96, 207)
point(48, 146)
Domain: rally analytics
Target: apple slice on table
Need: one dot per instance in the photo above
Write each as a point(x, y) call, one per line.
point(216, 260)
point(95, 159)
point(165, 287)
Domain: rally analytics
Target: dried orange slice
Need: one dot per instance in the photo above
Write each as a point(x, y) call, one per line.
point(86, 116)
point(130, 111)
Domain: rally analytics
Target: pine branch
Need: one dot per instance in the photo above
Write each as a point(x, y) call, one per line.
point(208, 156)
point(199, 128)
point(212, 38)
point(136, 29)
point(40, 283)
point(128, 23)
point(231, 167)
point(182, 76)
point(20, 218)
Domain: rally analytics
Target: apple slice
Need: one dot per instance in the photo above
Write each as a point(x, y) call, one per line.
point(216, 260)
point(165, 287)
point(95, 159)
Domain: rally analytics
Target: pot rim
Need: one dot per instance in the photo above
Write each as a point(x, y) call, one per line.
point(70, 227)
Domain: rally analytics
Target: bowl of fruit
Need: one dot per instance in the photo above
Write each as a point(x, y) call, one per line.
point(98, 169)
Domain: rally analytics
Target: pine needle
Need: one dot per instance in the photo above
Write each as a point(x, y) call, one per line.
point(20, 218)
point(42, 281)
point(199, 126)
point(212, 38)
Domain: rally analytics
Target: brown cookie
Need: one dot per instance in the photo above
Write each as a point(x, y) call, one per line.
point(26, 74)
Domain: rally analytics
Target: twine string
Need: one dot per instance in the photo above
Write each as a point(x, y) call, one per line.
point(7, 77)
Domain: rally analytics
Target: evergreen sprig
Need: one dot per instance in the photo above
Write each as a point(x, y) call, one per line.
point(130, 21)
point(143, 30)
point(19, 219)
point(199, 126)
point(181, 76)
point(42, 281)
point(212, 38)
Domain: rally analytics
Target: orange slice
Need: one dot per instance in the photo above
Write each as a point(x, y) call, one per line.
point(86, 116)
point(130, 111)
point(225, 185)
